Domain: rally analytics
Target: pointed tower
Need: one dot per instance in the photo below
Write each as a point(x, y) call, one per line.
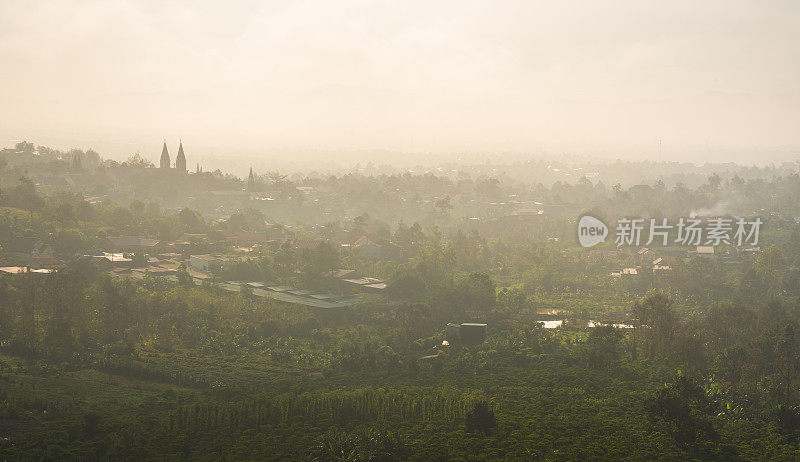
point(251, 180)
point(180, 161)
point(164, 156)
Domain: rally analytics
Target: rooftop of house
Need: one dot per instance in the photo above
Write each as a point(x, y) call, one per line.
point(160, 270)
point(117, 257)
point(133, 241)
point(194, 235)
point(363, 281)
point(344, 273)
point(526, 212)
point(205, 257)
point(640, 188)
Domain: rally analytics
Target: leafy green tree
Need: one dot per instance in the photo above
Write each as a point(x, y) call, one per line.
point(191, 221)
point(65, 212)
point(657, 325)
point(184, 278)
point(285, 260)
point(788, 351)
point(70, 242)
point(603, 346)
point(512, 299)
point(683, 411)
point(137, 207)
point(318, 262)
point(443, 206)
point(477, 292)
point(24, 195)
point(85, 212)
point(406, 285)
point(413, 320)
point(480, 418)
point(77, 163)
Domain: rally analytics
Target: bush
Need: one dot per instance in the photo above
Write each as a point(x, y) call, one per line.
point(480, 418)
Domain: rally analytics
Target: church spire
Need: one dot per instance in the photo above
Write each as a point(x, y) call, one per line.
point(180, 161)
point(164, 156)
point(251, 180)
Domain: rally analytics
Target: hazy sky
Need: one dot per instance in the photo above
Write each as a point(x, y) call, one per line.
point(418, 76)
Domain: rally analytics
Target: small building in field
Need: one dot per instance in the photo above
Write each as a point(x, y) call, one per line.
point(371, 285)
point(204, 263)
point(704, 251)
point(751, 250)
point(107, 260)
point(644, 255)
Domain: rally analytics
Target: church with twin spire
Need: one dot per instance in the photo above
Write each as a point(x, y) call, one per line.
point(180, 160)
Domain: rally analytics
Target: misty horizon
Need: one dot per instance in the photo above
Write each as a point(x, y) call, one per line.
point(627, 81)
point(239, 160)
